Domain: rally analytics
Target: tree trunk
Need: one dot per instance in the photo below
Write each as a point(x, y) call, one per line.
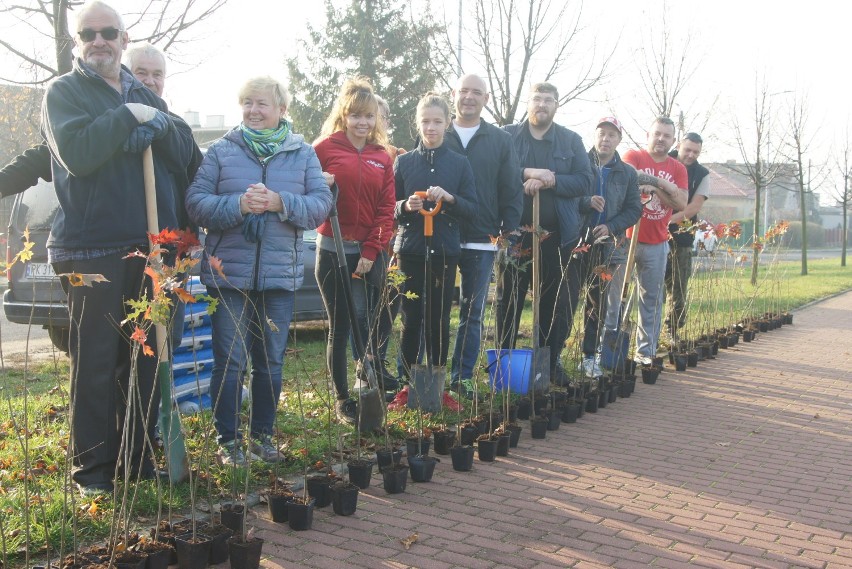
point(845, 224)
point(64, 41)
point(756, 231)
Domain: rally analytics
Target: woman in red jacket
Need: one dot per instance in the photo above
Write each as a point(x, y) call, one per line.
point(351, 147)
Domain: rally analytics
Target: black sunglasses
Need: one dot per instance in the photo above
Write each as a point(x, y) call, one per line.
point(108, 34)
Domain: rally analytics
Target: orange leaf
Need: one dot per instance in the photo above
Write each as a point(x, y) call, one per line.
point(184, 295)
point(155, 279)
point(146, 349)
point(216, 265)
point(80, 279)
point(356, 276)
point(139, 335)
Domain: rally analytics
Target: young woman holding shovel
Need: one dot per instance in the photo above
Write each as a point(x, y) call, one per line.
point(352, 148)
point(437, 175)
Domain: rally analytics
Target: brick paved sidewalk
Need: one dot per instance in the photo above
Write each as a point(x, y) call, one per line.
point(744, 461)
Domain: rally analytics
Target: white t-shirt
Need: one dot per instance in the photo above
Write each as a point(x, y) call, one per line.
point(465, 132)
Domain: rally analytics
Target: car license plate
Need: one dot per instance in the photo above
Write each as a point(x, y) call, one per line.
point(40, 271)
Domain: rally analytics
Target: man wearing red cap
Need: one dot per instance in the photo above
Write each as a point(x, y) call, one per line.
point(614, 207)
point(665, 181)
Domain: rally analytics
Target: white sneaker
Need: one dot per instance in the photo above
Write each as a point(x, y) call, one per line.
point(643, 360)
point(591, 367)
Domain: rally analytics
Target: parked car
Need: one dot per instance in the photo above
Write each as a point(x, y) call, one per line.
point(34, 295)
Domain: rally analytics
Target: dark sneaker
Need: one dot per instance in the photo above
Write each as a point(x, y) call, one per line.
point(96, 490)
point(347, 411)
point(265, 449)
point(387, 380)
point(461, 389)
point(231, 454)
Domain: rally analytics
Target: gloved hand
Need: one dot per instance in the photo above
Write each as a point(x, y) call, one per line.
point(142, 113)
point(159, 124)
point(140, 138)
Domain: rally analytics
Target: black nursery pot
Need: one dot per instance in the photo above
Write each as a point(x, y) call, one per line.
point(395, 479)
point(524, 409)
point(692, 359)
point(514, 434)
point(748, 335)
point(554, 419)
point(592, 403)
point(538, 428)
point(277, 504)
point(462, 458)
point(131, 560)
point(344, 498)
point(469, 432)
point(503, 443)
point(192, 554)
point(487, 450)
point(444, 441)
point(421, 468)
point(300, 514)
point(413, 448)
point(386, 457)
point(360, 472)
point(650, 375)
point(680, 362)
point(603, 397)
point(582, 407)
point(319, 488)
point(539, 405)
point(219, 536)
point(244, 554)
point(724, 341)
point(571, 412)
point(613, 393)
point(513, 413)
point(231, 515)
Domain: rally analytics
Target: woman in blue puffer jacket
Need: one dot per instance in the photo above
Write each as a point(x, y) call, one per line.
point(256, 191)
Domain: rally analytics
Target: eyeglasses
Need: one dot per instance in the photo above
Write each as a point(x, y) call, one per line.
point(108, 34)
point(544, 101)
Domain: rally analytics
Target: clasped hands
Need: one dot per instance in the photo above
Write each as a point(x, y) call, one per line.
point(536, 179)
point(433, 193)
point(258, 199)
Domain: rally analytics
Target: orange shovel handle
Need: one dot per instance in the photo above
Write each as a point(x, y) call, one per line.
point(428, 227)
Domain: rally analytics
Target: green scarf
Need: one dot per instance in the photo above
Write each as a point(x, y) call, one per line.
point(265, 142)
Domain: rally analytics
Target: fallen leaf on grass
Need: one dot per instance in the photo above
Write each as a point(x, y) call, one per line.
point(409, 541)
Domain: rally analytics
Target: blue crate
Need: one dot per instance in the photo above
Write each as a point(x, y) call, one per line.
point(188, 361)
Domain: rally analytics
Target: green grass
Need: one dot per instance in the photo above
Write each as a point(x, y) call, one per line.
point(38, 505)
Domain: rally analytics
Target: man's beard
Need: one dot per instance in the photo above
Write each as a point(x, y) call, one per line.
point(103, 66)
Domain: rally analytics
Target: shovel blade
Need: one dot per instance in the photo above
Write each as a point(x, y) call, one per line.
point(427, 388)
point(370, 410)
point(541, 368)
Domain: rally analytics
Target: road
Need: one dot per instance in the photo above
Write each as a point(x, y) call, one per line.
point(18, 340)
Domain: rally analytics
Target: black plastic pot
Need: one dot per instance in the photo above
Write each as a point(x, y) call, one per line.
point(513, 413)
point(486, 450)
point(603, 397)
point(219, 536)
point(703, 351)
point(763, 325)
point(131, 560)
point(613, 392)
point(592, 403)
point(417, 445)
point(748, 335)
point(724, 341)
point(650, 375)
point(300, 514)
point(386, 457)
point(581, 402)
point(344, 498)
point(680, 361)
point(539, 405)
point(244, 554)
point(277, 504)
point(360, 472)
point(159, 559)
point(503, 442)
point(714, 349)
point(395, 479)
point(192, 554)
point(469, 432)
point(538, 428)
point(524, 409)
point(554, 419)
point(319, 488)
point(788, 317)
point(514, 434)
point(571, 412)
point(231, 515)
point(462, 458)
point(692, 359)
point(444, 441)
point(421, 468)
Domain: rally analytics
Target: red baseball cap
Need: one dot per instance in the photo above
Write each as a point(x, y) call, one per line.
point(612, 121)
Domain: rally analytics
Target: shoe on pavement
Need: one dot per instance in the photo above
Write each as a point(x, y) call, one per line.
point(347, 410)
point(265, 449)
point(231, 454)
point(591, 367)
point(643, 360)
point(96, 490)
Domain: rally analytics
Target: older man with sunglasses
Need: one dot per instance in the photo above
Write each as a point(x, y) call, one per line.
point(97, 120)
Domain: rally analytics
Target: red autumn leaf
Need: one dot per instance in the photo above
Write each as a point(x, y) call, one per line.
point(146, 349)
point(185, 296)
point(581, 249)
point(216, 265)
point(605, 276)
point(139, 335)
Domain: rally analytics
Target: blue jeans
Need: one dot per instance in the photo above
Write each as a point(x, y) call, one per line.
point(475, 267)
point(241, 328)
point(650, 273)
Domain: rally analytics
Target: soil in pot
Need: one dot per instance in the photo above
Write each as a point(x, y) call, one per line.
point(231, 515)
point(514, 434)
point(131, 560)
point(159, 554)
point(503, 442)
point(277, 500)
point(650, 375)
point(571, 412)
point(360, 472)
point(192, 553)
point(219, 536)
point(422, 468)
point(444, 440)
point(524, 409)
point(344, 498)
point(300, 513)
point(469, 432)
point(417, 445)
point(486, 448)
point(395, 479)
point(538, 428)
point(245, 554)
point(319, 488)
point(462, 458)
point(386, 457)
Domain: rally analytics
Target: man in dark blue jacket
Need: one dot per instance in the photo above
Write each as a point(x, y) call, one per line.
point(554, 164)
point(500, 192)
point(97, 120)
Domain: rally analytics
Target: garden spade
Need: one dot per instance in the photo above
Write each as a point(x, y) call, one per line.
point(541, 354)
point(616, 345)
point(370, 400)
point(173, 442)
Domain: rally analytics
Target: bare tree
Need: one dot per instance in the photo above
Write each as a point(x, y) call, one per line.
point(844, 166)
point(161, 22)
point(760, 163)
point(525, 41)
